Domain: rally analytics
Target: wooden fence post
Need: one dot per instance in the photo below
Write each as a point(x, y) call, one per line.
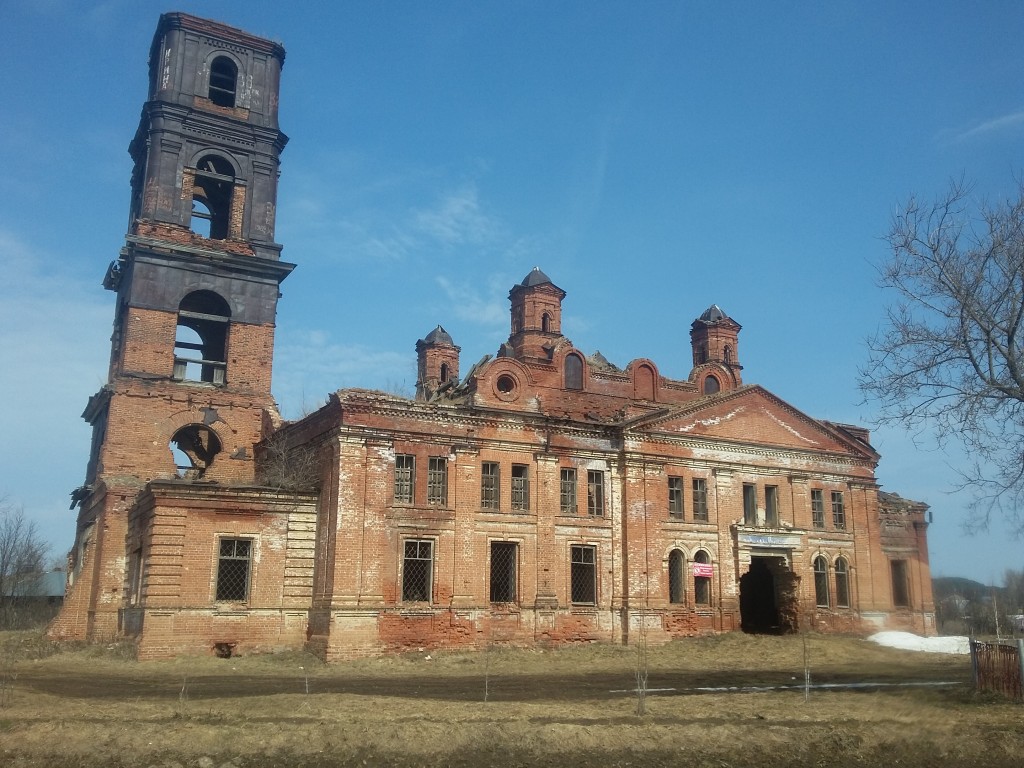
point(974, 663)
point(1020, 663)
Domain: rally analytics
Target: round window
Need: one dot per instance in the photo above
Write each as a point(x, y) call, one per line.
point(506, 384)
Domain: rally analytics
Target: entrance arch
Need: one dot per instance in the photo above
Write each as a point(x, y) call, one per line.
point(769, 596)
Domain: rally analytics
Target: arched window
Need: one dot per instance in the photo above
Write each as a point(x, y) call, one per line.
point(200, 343)
point(573, 372)
point(728, 354)
point(194, 448)
point(545, 322)
point(702, 578)
point(676, 588)
point(212, 188)
point(444, 372)
point(842, 583)
point(223, 79)
point(711, 385)
point(821, 582)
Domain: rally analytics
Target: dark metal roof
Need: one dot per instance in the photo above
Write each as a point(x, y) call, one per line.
point(713, 314)
point(536, 277)
point(439, 336)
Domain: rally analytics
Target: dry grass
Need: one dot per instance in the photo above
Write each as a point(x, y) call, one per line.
point(571, 707)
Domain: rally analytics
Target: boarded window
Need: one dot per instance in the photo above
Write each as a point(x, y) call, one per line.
point(573, 372)
point(417, 570)
point(490, 485)
point(503, 571)
point(520, 487)
point(405, 473)
point(675, 497)
point(233, 565)
point(567, 491)
point(583, 575)
point(700, 499)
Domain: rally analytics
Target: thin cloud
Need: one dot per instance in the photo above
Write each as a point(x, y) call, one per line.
point(456, 219)
point(1004, 123)
point(470, 304)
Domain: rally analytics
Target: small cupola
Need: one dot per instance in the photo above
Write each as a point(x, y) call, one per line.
point(536, 315)
point(437, 363)
point(714, 339)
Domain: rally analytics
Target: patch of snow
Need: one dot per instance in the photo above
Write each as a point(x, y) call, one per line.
point(908, 641)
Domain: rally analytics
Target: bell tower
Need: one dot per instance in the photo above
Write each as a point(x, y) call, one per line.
point(536, 317)
point(197, 283)
point(714, 339)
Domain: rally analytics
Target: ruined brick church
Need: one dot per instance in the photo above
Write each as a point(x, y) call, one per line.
point(541, 496)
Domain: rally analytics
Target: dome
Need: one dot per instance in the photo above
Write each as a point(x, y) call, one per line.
point(713, 314)
point(439, 336)
point(536, 277)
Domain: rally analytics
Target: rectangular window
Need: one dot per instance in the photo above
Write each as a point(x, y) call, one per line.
point(771, 506)
point(595, 493)
point(838, 511)
point(583, 575)
point(675, 497)
point(405, 472)
point(417, 570)
point(817, 508)
point(437, 480)
point(233, 566)
point(900, 584)
point(700, 499)
point(749, 504)
point(520, 487)
point(490, 485)
point(503, 571)
point(135, 578)
point(567, 492)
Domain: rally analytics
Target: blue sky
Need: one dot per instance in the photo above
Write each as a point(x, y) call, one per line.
point(651, 157)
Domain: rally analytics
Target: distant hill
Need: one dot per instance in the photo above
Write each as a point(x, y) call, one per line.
point(948, 586)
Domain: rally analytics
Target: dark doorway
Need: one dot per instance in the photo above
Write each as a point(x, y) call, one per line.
point(759, 612)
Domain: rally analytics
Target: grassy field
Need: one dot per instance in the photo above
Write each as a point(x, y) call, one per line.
point(94, 706)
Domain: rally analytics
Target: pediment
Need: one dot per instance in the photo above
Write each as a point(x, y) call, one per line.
point(753, 415)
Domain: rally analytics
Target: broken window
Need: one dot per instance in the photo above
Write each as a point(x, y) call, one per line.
point(437, 480)
point(675, 497)
point(595, 493)
point(817, 508)
point(520, 487)
point(567, 491)
point(821, 582)
point(233, 566)
point(200, 343)
point(700, 499)
point(135, 577)
point(194, 448)
point(771, 506)
point(701, 582)
point(417, 570)
point(503, 571)
point(838, 511)
point(573, 372)
point(212, 189)
point(842, 584)
point(675, 576)
point(405, 472)
point(223, 79)
point(749, 504)
point(583, 575)
point(900, 584)
point(490, 485)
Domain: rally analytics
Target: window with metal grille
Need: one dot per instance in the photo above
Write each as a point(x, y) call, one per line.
point(405, 473)
point(520, 486)
point(900, 584)
point(675, 497)
point(842, 584)
point(417, 570)
point(223, 76)
point(771, 506)
point(595, 493)
point(233, 565)
point(583, 575)
point(701, 584)
point(490, 486)
point(503, 571)
point(821, 582)
point(817, 508)
point(838, 511)
point(700, 499)
point(437, 480)
point(749, 504)
point(676, 582)
point(567, 492)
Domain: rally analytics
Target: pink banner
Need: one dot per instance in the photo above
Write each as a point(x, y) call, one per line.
point(703, 569)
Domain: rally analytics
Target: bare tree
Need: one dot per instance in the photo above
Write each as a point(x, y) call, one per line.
point(22, 557)
point(949, 359)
